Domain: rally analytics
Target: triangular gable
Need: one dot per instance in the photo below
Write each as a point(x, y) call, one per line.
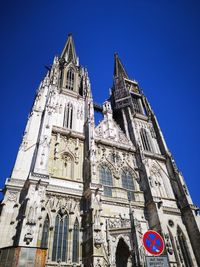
point(110, 130)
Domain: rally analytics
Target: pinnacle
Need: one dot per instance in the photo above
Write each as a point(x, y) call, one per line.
point(69, 52)
point(118, 67)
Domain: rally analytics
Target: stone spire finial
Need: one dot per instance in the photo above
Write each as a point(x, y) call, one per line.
point(118, 67)
point(69, 52)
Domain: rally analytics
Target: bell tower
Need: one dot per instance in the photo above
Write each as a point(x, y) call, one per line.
point(166, 196)
point(40, 215)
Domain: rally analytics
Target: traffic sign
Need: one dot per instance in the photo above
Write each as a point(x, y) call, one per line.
point(160, 261)
point(153, 242)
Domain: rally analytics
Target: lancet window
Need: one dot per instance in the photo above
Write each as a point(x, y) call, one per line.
point(45, 233)
point(68, 116)
point(136, 105)
point(106, 180)
point(127, 183)
point(70, 79)
point(75, 253)
point(146, 141)
point(60, 241)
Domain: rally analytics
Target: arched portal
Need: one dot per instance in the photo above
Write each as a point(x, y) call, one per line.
point(122, 254)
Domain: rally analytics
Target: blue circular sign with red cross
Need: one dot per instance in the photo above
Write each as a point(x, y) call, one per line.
point(153, 242)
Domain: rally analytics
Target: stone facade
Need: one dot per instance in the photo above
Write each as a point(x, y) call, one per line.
point(82, 194)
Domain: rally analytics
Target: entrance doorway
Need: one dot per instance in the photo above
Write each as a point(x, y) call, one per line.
point(122, 254)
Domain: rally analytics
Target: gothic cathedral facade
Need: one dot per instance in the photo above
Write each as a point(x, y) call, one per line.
point(82, 194)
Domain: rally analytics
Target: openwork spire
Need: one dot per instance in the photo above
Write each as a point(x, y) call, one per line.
point(119, 70)
point(69, 52)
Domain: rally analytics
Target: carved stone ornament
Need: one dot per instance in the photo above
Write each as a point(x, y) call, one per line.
point(98, 264)
point(52, 202)
point(155, 171)
point(64, 204)
point(168, 244)
point(119, 222)
point(32, 214)
point(98, 240)
point(29, 235)
point(12, 196)
point(24, 143)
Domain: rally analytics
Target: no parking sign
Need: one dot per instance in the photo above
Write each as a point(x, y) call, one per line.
point(153, 242)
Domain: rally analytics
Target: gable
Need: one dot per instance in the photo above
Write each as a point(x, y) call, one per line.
point(110, 130)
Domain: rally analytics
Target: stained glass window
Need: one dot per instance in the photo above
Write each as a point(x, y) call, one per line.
point(60, 238)
point(75, 254)
point(45, 233)
point(106, 180)
point(146, 143)
point(70, 79)
point(127, 183)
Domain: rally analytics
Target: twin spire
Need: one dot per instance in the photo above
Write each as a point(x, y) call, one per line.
point(69, 54)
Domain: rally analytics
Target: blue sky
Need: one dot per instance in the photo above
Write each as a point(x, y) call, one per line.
point(158, 42)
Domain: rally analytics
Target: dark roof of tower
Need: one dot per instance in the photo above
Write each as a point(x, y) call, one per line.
point(69, 52)
point(119, 68)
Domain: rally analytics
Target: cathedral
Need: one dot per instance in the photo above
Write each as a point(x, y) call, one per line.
point(82, 194)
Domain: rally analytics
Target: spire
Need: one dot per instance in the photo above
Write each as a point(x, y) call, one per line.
point(118, 67)
point(69, 52)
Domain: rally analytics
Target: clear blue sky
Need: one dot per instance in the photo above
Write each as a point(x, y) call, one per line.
point(158, 42)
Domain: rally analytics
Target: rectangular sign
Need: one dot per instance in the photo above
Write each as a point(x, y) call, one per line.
point(158, 261)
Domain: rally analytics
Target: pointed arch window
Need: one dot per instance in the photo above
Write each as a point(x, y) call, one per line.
point(75, 253)
point(146, 141)
point(45, 233)
point(70, 79)
point(68, 116)
point(127, 183)
point(137, 104)
point(106, 180)
point(60, 241)
point(184, 248)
